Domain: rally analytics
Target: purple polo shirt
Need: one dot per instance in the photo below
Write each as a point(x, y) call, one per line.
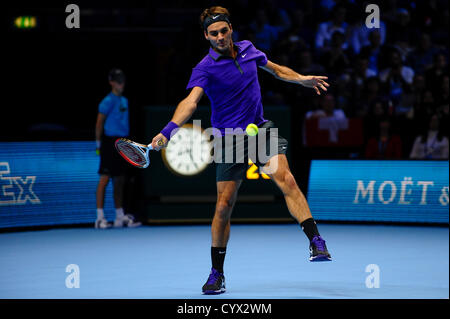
point(232, 86)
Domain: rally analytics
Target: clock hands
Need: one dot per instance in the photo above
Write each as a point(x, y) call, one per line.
point(192, 158)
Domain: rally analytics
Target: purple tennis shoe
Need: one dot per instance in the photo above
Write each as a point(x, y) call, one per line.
point(215, 284)
point(318, 250)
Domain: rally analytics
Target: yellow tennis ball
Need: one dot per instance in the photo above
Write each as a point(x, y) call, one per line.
point(252, 129)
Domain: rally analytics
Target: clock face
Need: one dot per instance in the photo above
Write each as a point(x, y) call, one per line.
point(188, 152)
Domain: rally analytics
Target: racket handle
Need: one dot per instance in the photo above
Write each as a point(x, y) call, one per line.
point(160, 143)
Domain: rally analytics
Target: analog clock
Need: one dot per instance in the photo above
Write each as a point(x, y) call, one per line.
point(188, 152)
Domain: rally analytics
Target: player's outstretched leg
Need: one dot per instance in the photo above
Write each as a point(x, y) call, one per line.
point(299, 208)
point(220, 232)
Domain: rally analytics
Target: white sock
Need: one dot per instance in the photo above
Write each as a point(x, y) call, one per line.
point(119, 213)
point(100, 214)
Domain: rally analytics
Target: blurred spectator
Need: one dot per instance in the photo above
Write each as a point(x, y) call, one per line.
point(300, 36)
point(362, 71)
point(306, 64)
point(402, 32)
point(266, 34)
point(432, 18)
point(360, 74)
point(371, 93)
point(419, 87)
point(326, 109)
point(385, 145)
point(327, 6)
point(334, 59)
point(326, 29)
point(329, 37)
point(437, 71)
point(421, 58)
point(412, 98)
point(431, 144)
point(443, 112)
point(397, 78)
point(443, 91)
point(277, 14)
point(304, 30)
point(373, 51)
point(442, 104)
point(329, 118)
point(390, 11)
point(342, 94)
point(425, 108)
point(377, 111)
point(360, 33)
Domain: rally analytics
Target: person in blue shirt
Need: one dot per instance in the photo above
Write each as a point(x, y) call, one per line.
point(112, 123)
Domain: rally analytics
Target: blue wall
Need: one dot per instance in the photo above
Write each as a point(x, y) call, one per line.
point(392, 191)
point(49, 183)
point(54, 183)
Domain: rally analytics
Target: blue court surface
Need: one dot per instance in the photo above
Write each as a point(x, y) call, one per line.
point(262, 262)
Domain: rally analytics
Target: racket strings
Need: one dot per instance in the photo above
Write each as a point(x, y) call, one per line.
point(133, 153)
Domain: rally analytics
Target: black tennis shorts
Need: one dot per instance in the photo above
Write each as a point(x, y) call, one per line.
point(241, 152)
point(111, 163)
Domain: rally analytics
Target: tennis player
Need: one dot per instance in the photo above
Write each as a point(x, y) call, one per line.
point(112, 123)
point(228, 76)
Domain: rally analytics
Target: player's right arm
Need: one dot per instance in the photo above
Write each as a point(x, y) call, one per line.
point(182, 114)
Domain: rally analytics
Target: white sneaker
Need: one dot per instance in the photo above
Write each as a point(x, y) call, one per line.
point(126, 221)
point(102, 223)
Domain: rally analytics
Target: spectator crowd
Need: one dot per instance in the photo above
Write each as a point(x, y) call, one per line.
point(394, 78)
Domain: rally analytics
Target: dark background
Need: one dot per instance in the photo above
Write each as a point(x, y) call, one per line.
point(54, 77)
point(58, 76)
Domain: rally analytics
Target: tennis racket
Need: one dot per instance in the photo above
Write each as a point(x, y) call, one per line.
point(134, 153)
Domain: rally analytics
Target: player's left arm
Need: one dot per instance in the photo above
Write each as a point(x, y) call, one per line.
point(288, 75)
